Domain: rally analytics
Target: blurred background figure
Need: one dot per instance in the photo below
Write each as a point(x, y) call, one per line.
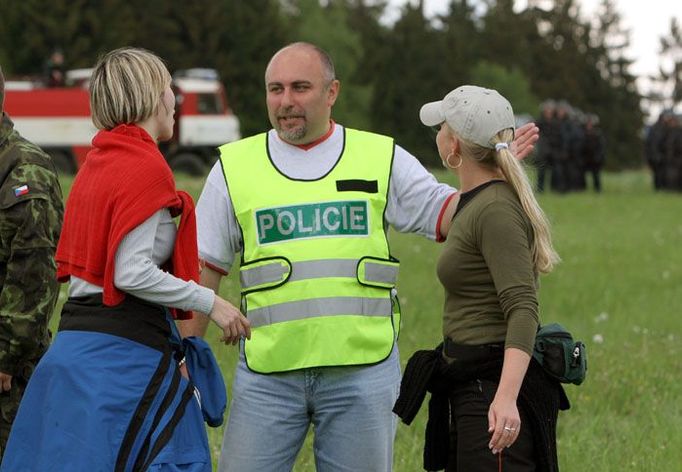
point(562, 147)
point(575, 174)
point(673, 153)
point(655, 150)
point(548, 142)
point(593, 152)
point(54, 69)
point(663, 151)
point(571, 146)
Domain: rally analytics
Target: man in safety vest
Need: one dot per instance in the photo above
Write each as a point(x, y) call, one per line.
point(308, 205)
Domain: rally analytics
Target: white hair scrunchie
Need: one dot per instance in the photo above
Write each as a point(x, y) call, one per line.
point(500, 146)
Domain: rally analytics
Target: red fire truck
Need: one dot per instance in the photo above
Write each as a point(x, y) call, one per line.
point(58, 119)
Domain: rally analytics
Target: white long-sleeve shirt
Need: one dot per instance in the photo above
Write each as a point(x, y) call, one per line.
point(137, 269)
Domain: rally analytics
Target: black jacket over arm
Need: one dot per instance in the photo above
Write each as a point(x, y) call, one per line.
point(541, 397)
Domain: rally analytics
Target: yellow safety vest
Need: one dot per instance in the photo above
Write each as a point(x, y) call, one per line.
point(316, 273)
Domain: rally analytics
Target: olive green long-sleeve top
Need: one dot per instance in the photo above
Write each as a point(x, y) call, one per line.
point(486, 268)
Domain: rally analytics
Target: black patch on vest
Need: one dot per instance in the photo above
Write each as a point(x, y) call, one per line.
point(357, 185)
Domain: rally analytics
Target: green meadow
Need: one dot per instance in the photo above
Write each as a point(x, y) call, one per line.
point(618, 289)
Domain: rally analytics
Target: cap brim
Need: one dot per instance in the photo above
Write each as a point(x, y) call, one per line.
point(431, 114)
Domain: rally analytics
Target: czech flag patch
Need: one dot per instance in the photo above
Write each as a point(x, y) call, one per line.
point(19, 191)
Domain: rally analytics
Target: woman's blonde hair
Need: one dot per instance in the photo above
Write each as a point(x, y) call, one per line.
point(126, 87)
point(544, 255)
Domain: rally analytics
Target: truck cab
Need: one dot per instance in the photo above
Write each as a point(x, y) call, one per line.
point(58, 119)
point(203, 121)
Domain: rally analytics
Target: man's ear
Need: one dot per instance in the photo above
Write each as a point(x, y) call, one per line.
point(333, 92)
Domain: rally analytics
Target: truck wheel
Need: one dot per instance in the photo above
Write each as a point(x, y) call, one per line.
point(188, 163)
point(63, 161)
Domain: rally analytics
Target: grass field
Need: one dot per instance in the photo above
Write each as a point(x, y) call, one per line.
point(619, 289)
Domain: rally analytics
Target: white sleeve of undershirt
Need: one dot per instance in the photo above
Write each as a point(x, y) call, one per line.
point(415, 198)
point(135, 272)
point(218, 232)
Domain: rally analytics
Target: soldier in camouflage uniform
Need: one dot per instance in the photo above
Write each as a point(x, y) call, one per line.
point(31, 213)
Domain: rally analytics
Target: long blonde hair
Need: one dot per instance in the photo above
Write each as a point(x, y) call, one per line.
point(544, 255)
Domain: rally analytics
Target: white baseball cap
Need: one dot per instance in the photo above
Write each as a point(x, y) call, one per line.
point(476, 114)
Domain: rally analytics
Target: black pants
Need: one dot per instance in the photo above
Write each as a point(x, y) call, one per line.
point(469, 438)
point(596, 178)
point(543, 168)
point(560, 176)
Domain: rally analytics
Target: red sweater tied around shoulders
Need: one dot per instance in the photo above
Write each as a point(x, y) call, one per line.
point(123, 182)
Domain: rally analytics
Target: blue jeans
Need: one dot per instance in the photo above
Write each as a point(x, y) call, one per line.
point(349, 407)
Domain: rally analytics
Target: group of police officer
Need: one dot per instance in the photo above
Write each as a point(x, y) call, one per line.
point(571, 148)
point(663, 150)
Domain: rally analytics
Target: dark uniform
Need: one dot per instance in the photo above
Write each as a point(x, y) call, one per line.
point(593, 153)
point(573, 163)
point(654, 154)
point(545, 156)
point(673, 155)
point(561, 148)
point(31, 212)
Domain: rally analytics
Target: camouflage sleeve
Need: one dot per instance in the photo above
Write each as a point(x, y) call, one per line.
point(29, 230)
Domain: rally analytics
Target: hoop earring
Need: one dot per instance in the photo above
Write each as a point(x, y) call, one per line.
point(447, 161)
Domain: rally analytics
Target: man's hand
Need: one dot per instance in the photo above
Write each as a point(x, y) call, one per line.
point(524, 142)
point(5, 382)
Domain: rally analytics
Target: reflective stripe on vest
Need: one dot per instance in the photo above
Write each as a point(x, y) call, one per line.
point(316, 272)
point(299, 310)
point(275, 271)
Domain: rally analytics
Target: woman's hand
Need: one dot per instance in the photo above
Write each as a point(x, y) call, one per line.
point(230, 320)
point(524, 142)
point(504, 423)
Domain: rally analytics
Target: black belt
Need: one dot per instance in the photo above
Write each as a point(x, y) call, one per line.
point(468, 353)
point(134, 319)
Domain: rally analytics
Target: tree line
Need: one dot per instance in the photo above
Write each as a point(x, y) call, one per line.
point(387, 70)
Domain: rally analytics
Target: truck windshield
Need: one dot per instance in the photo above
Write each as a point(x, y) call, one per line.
point(209, 104)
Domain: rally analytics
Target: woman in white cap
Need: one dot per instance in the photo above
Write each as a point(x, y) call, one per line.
point(497, 246)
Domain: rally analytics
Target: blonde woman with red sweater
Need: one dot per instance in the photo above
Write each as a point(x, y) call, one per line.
point(110, 394)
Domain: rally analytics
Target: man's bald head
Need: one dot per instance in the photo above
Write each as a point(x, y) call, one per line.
point(325, 59)
point(300, 92)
